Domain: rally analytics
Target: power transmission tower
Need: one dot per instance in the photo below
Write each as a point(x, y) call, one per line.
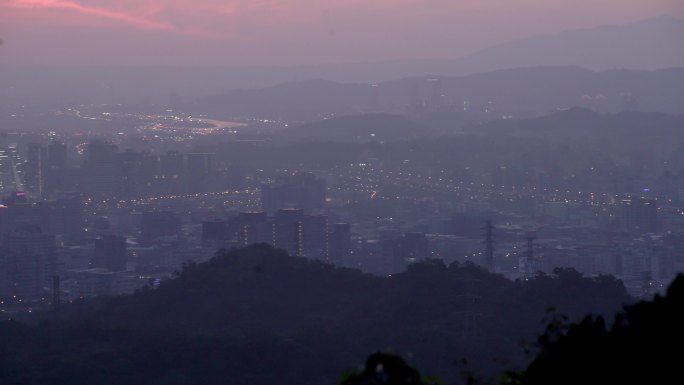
point(531, 263)
point(489, 245)
point(530, 250)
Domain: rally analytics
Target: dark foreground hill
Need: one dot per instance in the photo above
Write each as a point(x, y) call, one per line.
point(258, 316)
point(642, 346)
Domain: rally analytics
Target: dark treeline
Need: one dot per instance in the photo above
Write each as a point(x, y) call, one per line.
point(642, 345)
point(258, 316)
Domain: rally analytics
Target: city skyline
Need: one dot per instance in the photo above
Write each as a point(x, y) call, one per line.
point(266, 192)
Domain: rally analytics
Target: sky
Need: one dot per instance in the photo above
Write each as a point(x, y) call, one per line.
point(287, 32)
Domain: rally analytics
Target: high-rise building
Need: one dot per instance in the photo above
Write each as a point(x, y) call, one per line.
point(214, 231)
point(16, 212)
point(410, 248)
point(10, 174)
point(158, 224)
point(340, 242)
point(110, 253)
point(63, 215)
point(254, 227)
point(172, 165)
point(29, 240)
point(36, 161)
point(100, 170)
point(288, 230)
point(236, 177)
point(171, 177)
point(437, 98)
point(27, 263)
point(199, 167)
point(55, 168)
point(314, 237)
point(136, 173)
point(301, 190)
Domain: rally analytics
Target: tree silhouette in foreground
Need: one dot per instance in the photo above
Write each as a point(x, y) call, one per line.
point(386, 369)
point(257, 316)
point(644, 345)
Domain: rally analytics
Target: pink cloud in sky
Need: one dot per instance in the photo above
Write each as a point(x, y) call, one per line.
point(183, 15)
point(123, 17)
point(161, 14)
point(218, 17)
point(290, 31)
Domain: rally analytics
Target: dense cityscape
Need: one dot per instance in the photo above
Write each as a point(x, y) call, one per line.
point(89, 213)
point(341, 192)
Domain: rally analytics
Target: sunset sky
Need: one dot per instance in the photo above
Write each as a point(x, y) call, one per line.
point(287, 32)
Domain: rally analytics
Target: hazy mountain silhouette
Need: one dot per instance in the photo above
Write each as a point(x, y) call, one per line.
point(648, 44)
point(532, 91)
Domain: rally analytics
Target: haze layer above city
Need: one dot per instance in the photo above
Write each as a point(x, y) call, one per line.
point(267, 42)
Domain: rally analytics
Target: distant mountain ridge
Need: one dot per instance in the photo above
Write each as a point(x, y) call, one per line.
point(649, 44)
point(654, 43)
point(529, 91)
